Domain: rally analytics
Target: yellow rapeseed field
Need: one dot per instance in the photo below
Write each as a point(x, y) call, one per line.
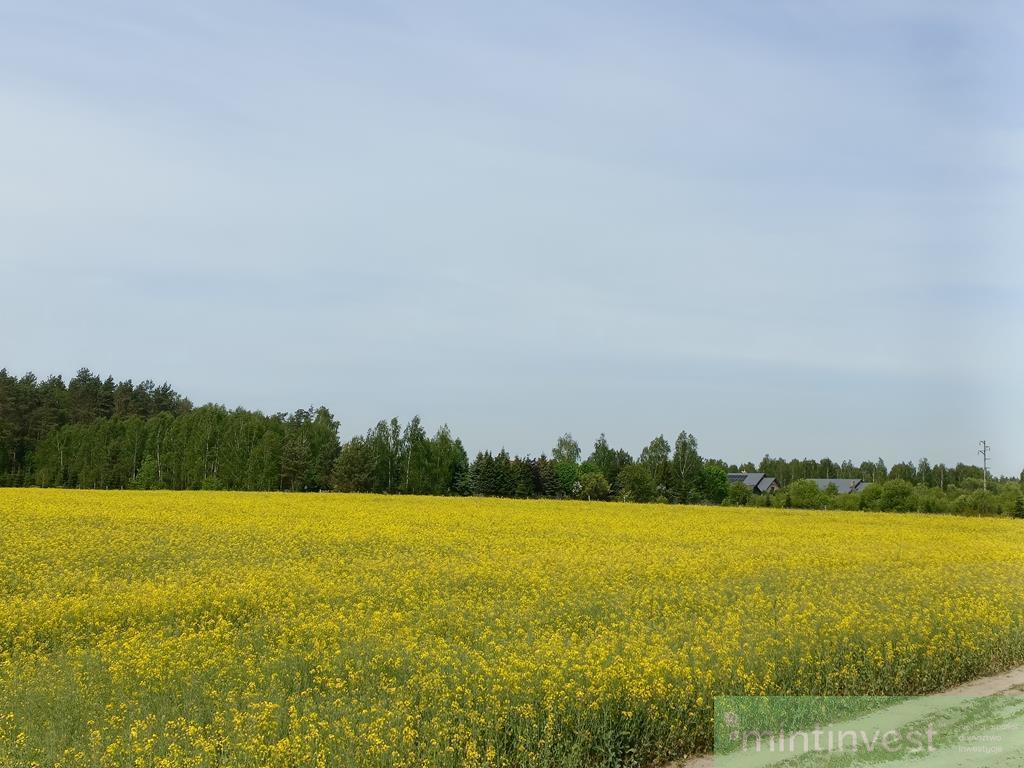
point(244, 629)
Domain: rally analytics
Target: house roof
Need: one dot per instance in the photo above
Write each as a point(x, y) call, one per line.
point(756, 481)
point(843, 485)
point(749, 479)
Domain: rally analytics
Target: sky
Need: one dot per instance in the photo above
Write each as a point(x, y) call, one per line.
point(792, 228)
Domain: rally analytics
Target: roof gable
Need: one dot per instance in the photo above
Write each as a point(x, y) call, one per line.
point(755, 481)
point(842, 484)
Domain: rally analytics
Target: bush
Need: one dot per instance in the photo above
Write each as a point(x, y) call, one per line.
point(897, 496)
point(931, 500)
point(977, 503)
point(870, 497)
point(804, 494)
point(738, 495)
point(848, 502)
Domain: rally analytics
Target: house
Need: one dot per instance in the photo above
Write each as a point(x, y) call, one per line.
point(757, 482)
point(843, 485)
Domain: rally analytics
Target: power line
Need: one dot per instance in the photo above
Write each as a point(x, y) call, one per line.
point(984, 451)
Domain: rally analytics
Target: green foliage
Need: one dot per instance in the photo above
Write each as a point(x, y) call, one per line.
point(449, 465)
point(931, 500)
point(390, 459)
point(566, 450)
point(206, 447)
point(898, 496)
point(636, 483)
point(354, 467)
point(97, 433)
point(804, 494)
point(714, 483)
point(146, 478)
point(548, 481)
point(738, 495)
point(1018, 508)
point(904, 471)
point(211, 483)
point(979, 502)
point(657, 458)
point(523, 484)
point(495, 475)
point(608, 461)
point(567, 476)
point(32, 411)
point(871, 497)
point(686, 470)
point(593, 486)
point(847, 501)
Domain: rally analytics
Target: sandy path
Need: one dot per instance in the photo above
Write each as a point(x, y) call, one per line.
point(1007, 683)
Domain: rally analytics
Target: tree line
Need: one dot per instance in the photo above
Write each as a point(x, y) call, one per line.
point(98, 433)
point(921, 472)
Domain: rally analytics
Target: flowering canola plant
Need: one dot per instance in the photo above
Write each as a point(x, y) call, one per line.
point(166, 629)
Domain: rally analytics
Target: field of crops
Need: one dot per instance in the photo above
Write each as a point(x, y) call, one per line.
point(202, 629)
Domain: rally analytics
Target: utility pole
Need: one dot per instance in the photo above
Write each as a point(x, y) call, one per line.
point(984, 451)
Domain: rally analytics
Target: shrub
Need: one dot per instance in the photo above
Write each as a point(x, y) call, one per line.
point(738, 495)
point(848, 502)
point(977, 503)
point(897, 496)
point(870, 497)
point(804, 494)
point(931, 500)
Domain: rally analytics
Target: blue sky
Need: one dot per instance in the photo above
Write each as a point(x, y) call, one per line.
point(792, 228)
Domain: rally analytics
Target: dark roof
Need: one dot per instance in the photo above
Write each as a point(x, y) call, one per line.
point(749, 479)
point(843, 485)
point(755, 481)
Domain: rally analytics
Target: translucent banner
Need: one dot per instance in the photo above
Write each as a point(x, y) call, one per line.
point(919, 732)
